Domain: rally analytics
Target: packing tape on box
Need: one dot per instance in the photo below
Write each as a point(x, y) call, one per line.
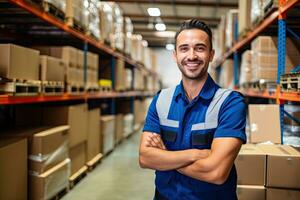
point(50, 158)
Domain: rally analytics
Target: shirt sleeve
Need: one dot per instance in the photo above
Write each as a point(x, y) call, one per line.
point(232, 118)
point(152, 120)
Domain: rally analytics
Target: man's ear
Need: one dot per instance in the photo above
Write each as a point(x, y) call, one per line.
point(212, 54)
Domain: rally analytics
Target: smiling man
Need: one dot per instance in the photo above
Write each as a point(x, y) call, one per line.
point(194, 131)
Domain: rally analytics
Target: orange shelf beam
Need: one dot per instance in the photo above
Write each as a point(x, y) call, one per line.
point(9, 100)
point(52, 20)
point(265, 94)
point(252, 34)
point(289, 96)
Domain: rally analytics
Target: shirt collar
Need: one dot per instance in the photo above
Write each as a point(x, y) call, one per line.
point(207, 92)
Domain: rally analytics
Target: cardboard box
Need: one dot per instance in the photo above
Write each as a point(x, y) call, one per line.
point(279, 194)
point(71, 75)
point(119, 128)
point(52, 69)
point(282, 166)
point(226, 77)
point(251, 192)
point(80, 76)
point(264, 123)
point(75, 116)
point(108, 133)
point(249, 173)
point(19, 62)
point(77, 156)
point(231, 18)
point(47, 185)
point(92, 61)
point(128, 79)
point(13, 168)
point(128, 124)
point(93, 134)
point(244, 20)
point(80, 58)
point(67, 53)
point(140, 110)
point(47, 146)
point(76, 10)
point(120, 75)
point(246, 67)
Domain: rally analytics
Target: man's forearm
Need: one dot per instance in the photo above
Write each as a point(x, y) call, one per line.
point(158, 159)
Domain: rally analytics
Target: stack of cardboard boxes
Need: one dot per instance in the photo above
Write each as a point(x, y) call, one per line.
point(265, 58)
point(268, 172)
point(92, 71)
point(246, 74)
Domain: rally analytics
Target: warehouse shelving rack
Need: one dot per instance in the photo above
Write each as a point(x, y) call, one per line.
point(278, 15)
point(82, 41)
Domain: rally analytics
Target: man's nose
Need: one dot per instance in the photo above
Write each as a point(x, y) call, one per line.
point(192, 55)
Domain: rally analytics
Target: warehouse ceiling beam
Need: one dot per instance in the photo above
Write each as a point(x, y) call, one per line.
point(171, 17)
point(184, 3)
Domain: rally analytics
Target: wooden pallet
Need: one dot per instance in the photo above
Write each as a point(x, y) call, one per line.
point(290, 82)
point(49, 8)
point(72, 22)
point(20, 87)
point(270, 8)
point(105, 88)
point(73, 88)
point(60, 194)
point(92, 87)
point(264, 85)
point(52, 87)
point(77, 177)
point(92, 164)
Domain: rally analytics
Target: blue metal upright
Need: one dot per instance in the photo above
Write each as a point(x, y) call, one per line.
point(236, 56)
point(281, 64)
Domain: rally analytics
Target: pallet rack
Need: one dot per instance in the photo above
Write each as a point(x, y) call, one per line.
point(279, 16)
point(23, 10)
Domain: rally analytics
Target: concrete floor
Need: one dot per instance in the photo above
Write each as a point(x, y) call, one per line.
point(118, 177)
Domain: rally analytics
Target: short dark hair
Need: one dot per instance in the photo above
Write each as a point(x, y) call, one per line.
point(194, 24)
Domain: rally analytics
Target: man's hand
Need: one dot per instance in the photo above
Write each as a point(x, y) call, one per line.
point(154, 140)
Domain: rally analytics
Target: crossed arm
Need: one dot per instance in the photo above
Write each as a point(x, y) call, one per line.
point(212, 166)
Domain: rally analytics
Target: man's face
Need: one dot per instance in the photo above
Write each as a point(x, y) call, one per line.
point(193, 53)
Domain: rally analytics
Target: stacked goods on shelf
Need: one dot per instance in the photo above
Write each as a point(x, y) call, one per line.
point(246, 74)
point(262, 130)
point(21, 66)
point(106, 22)
point(257, 12)
point(128, 30)
point(77, 14)
point(265, 58)
point(92, 72)
point(140, 109)
point(119, 128)
point(291, 127)
point(149, 59)
point(118, 31)
point(93, 19)
point(244, 21)
point(137, 47)
point(138, 79)
point(231, 19)
point(268, 5)
point(105, 85)
point(120, 75)
point(221, 30)
point(60, 4)
point(52, 72)
point(93, 134)
point(128, 124)
point(76, 117)
point(13, 170)
point(48, 157)
point(226, 75)
point(107, 124)
point(128, 79)
point(74, 59)
point(276, 170)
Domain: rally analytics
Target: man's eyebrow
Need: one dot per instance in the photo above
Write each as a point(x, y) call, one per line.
point(183, 45)
point(201, 44)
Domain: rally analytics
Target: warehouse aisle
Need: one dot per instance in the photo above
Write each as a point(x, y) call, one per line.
point(118, 177)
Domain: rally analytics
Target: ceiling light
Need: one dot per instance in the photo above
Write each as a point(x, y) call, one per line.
point(160, 27)
point(167, 34)
point(153, 12)
point(170, 47)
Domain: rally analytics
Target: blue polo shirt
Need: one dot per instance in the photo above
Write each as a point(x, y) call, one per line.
point(231, 123)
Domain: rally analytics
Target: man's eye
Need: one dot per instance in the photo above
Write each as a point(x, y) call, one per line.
point(183, 49)
point(200, 48)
